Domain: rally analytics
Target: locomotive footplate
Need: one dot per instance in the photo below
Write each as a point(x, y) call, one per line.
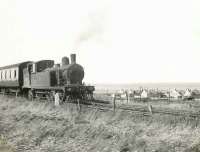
point(67, 93)
point(81, 92)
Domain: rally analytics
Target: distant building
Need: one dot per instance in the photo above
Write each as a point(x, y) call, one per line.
point(157, 94)
point(175, 94)
point(136, 94)
point(144, 94)
point(196, 94)
point(187, 93)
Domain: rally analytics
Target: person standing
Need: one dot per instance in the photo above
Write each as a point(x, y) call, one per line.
point(57, 99)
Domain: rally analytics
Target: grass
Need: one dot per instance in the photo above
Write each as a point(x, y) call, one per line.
point(4, 147)
point(176, 104)
point(39, 126)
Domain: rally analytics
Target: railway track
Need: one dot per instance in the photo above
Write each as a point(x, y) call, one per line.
point(147, 110)
point(135, 109)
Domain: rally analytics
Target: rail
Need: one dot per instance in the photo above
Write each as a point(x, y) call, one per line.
point(146, 110)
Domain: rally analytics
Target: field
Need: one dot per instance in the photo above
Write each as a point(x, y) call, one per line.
point(40, 127)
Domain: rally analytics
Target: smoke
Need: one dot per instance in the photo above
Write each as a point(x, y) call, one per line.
point(93, 28)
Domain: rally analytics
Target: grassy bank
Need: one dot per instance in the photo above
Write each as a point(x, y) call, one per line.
point(37, 126)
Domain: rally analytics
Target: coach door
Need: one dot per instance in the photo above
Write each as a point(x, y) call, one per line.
point(26, 76)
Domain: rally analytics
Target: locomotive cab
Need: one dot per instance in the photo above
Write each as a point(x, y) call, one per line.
point(34, 74)
point(40, 66)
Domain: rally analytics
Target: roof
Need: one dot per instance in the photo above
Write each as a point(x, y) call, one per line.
point(14, 65)
point(174, 93)
point(43, 61)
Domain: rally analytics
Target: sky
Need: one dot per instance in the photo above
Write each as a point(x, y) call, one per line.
point(116, 41)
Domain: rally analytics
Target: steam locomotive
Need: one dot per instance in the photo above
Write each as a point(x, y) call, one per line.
point(43, 79)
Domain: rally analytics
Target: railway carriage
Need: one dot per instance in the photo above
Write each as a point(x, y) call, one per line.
point(11, 77)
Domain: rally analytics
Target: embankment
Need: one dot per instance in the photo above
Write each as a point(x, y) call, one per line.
point(41, 127)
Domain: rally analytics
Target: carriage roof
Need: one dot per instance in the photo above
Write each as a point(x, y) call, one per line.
point(14, 65)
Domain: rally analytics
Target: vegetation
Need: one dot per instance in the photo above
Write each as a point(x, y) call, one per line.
point(39, 126)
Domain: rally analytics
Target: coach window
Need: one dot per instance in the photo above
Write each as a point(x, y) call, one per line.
point(15, 74)
point(5, 74)
point(2, 75)
point(10, 74)
point(34, 68)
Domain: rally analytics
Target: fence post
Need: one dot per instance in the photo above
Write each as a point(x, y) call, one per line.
point(127, 97)
point(150, 108)
point(79, 108)
point(114, 104)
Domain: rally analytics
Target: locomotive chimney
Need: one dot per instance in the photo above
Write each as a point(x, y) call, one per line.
point(65, 61)
point(73, 58)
